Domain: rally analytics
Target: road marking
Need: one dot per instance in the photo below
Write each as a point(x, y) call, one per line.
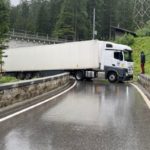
point(147, 101)
point(36, 105)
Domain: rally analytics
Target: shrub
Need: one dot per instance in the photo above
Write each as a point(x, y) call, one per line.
point(145, 31)
point(127, 39)
point(6, 79)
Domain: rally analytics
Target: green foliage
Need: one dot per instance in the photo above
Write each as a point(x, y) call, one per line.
point(145, 31)
point(6, 79)
point(72, 19)
point(124, 13)
point(21, 15)
point(42, 19)
point(72, 23)
point(4, 18)
point(54, 12)
point(141, 44)
point(4, 22)
point(127, 39)
point(64, 25)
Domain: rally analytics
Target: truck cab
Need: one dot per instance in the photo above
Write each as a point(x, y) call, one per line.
point(117, 62)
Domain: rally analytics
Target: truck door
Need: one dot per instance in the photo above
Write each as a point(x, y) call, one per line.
point(118, 57)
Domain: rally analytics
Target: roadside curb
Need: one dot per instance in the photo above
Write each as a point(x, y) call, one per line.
point(21, 107)
point(143, 92)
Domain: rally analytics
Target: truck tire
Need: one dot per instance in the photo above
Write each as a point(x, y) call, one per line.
point(20, 76)
point(79, 75)
point(28, 76)
point(112, 77)
point(37, 75)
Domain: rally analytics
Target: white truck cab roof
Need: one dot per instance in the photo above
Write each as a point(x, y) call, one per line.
point(114, 46)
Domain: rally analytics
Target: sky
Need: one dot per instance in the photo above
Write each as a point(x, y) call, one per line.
point(14, 2)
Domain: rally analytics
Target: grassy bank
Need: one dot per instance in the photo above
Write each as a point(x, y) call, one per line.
point(7, 79)
point(141, 44)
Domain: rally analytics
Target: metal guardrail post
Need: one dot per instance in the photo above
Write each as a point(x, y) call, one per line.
point(13, 31)
point(37, 34)
point(35, 37)
point(25, 34)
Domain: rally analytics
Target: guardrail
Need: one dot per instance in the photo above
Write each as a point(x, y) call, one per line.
point(21, 91)
point(144, 80)
point(34, 37)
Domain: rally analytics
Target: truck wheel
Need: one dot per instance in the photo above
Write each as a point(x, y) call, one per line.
point(112, 77)
point(37, 75)
point(79, 75)
point(20, 76)
point(28, 76)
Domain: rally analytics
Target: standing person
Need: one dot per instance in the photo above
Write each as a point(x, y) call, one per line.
point(142, 62)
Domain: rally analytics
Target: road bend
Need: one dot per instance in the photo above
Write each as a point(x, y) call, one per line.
point(92, 116)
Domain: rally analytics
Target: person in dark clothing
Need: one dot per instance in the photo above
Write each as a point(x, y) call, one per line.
point(142, 62)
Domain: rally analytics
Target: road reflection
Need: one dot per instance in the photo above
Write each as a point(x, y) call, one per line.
point(91, 116)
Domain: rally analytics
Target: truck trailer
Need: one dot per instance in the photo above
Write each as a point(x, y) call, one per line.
point(83, 59)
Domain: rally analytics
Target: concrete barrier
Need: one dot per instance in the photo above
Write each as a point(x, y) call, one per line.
point(13, 93)
point(144, 81)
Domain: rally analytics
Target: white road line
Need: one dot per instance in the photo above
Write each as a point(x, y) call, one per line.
point(147, 101)
point(36, 105)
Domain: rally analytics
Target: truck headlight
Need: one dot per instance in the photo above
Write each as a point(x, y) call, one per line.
point(122, 65)
point(127, 74)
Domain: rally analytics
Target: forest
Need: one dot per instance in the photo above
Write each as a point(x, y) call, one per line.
point(73, 19)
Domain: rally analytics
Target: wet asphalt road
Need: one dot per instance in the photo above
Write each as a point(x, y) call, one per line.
point(89, 117)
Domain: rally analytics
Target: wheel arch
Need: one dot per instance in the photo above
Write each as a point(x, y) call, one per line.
point(79, 74)
point(110, 71)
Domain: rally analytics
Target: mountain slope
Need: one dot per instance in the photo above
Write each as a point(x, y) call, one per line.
point(141, 44)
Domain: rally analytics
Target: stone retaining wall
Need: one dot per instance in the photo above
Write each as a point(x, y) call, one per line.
point(144, 80)
point(20, 91)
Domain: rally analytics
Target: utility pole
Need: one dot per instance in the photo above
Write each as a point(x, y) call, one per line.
point(110, 36)
point(94, 31)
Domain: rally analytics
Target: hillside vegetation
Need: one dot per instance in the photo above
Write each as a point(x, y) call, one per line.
point(141, 44)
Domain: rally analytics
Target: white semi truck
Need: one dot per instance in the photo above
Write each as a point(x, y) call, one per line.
point(83, 59)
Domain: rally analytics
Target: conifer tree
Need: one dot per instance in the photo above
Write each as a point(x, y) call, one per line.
point(72, 23)
point(4, 22)
point(42, 18)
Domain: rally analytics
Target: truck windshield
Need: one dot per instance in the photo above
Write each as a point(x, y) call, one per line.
point(128, 56)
